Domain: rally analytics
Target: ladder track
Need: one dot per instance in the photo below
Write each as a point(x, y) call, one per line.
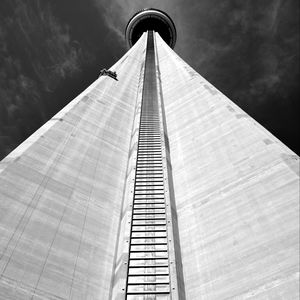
point(148, 275)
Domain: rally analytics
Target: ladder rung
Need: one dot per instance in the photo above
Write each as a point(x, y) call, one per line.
point(151, 219)
point(148, 160)
point(149, 244)
point(144, 231)
point(149, 184)
point(148, 213)
point(149, 163)
point(159, 223)
point(149, 203)
point(146, 283)
point(148, 200)
point(149, 274)
point(148, 208)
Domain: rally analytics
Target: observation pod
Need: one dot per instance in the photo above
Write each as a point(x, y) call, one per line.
point(151, 19)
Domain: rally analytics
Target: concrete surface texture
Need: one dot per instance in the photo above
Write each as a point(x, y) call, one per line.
point(61, 194)
point(236, 190)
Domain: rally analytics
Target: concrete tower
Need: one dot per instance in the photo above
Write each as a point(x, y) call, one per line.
point(151, 184)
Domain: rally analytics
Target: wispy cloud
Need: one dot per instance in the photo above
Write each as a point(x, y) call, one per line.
point(36, 52)
point(118, 12)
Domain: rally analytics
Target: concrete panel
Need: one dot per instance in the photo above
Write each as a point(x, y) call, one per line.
point(61, 194)
point(236, 190)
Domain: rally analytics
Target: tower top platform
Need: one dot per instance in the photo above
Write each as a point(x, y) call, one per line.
point(150, 19)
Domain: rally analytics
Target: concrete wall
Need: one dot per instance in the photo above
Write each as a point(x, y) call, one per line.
point(236, 190)
point(61, 194)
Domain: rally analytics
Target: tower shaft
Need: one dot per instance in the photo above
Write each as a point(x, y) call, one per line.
point(151, 184)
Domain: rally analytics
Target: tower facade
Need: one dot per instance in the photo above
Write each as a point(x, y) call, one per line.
point(151, 184)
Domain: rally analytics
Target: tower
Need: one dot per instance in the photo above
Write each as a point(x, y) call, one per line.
point(151, 184)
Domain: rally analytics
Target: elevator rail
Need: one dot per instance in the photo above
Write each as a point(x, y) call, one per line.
point(148, 275)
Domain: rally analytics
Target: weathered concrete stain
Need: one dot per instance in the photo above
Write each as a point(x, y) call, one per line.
point(210, 89)
point(292, 161)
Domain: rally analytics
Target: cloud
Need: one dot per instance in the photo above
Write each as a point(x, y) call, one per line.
point(36, 53)
point(118, 12)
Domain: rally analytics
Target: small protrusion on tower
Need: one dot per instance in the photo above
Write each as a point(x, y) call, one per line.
point(151, 19)
point(109, 73)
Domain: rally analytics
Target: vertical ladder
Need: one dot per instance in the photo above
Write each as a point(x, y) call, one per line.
point(148, 275)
